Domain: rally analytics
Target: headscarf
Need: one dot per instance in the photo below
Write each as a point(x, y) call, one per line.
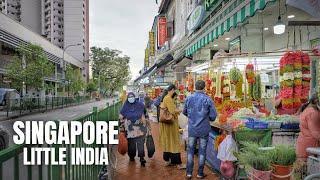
point(134, 111)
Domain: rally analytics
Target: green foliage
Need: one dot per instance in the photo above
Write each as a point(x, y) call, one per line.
point(30, 66)
point(251, 156)
point(91, 87)
point(75, 82)
point(283, 155)
point(111, 67)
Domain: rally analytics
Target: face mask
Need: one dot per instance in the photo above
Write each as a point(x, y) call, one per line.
point(131, 100)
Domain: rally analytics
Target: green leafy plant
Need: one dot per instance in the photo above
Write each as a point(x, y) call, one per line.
point(283, 155)
point(251, 156)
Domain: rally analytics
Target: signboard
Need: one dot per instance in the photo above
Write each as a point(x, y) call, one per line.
point(151, 43)
point(235, 46)
point(208, 4)
point(146, 58)
point(162, 31)
point(195, 18)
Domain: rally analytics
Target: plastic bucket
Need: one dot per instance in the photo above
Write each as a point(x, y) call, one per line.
point(281, 172)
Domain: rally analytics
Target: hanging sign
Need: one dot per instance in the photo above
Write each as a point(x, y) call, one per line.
point(195, 18)
point(162, 31)
point(146, 58)
point(151, 43)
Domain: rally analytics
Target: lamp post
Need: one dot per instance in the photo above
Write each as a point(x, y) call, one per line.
point(64, 50)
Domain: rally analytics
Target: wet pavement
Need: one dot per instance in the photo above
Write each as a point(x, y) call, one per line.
point(155, 169)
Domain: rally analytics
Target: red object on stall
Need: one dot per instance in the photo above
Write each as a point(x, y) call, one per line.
point(250, 73)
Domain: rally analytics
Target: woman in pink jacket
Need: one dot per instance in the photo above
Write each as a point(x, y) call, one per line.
point(309, 135)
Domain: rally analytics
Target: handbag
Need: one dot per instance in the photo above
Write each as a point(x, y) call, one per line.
point(123, 143)
point(165, 115)
point(150, 144)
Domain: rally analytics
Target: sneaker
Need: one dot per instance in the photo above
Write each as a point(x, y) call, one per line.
point(181, 166)
point(188, 176)
point(201, 177)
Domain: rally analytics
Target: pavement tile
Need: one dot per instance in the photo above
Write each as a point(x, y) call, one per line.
point(155, 169)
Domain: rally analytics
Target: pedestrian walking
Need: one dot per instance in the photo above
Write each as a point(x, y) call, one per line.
point(157, 103)
point(169, 132)
point(200, 110)
point(309, 135)
point(133, 121)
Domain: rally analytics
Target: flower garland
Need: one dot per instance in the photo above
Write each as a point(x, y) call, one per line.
point(250, 75)
point(294, 79)
point(235, 75)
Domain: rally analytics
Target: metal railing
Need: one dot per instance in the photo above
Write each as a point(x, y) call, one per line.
point(22, 106)
point(11, 166)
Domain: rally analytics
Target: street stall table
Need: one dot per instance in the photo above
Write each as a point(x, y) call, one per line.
point(264, 137)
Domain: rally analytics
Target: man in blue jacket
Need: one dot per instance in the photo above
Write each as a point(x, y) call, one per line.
point(200, 110)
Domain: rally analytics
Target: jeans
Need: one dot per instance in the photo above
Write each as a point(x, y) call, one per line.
point(192, 141)
point(135, 144)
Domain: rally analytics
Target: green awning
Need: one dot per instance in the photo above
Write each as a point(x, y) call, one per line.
point(225, 20)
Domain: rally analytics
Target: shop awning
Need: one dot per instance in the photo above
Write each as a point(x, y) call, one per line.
point(230, 16)
point(165, 61)
point(146, 73)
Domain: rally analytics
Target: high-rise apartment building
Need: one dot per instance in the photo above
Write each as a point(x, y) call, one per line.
point(12, 8)
point(62, 22)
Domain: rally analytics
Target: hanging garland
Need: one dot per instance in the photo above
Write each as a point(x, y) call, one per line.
point(235, 75)
point(256, 89)
point(250, 73)
point(294, 79)
point(287, 80)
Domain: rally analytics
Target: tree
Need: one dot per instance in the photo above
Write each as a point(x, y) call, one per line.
point(110, 67)
point(91, 87)
point(74, 79)
point(29, 67)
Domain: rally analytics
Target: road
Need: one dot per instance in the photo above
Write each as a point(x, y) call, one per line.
point(64, 114)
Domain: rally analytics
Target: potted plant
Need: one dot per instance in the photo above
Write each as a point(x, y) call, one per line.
point(256, 161)
point(282, 159)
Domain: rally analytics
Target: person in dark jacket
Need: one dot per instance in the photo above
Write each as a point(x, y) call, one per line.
point(133, 120)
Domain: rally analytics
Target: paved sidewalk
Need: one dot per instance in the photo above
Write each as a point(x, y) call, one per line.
point(155, 169)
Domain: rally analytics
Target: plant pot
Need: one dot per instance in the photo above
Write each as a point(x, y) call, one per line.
point(260, 175)
point(281, 172)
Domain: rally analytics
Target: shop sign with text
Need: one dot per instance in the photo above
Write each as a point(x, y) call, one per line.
point(195, 18)
point(208, 4)
point(162, 31)
point(146, 58)
point(151, 43)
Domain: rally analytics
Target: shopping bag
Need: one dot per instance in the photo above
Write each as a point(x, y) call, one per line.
point(185, 133)
point(150, 146)
point(123, 143)
point(226, 149)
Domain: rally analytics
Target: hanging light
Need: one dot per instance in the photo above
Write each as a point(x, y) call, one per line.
point(279, 27)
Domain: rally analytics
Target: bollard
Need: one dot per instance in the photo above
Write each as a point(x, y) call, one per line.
point(95, 112)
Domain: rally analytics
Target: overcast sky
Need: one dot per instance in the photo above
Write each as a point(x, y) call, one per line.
point(122, 25)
